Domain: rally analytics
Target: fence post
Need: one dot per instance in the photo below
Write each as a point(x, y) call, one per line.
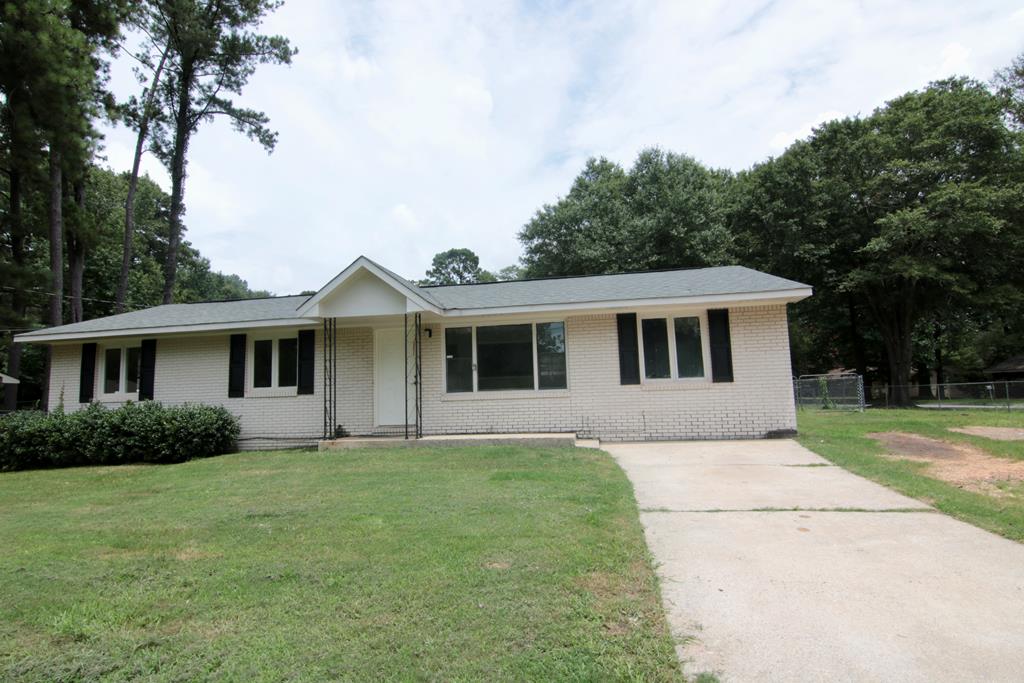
point(860, 392)
point(939, 392)
point(1006, 388)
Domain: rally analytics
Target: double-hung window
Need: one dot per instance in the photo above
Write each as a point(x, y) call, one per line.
point(523, 356)
point(672, 347)
point(275, 363)
point(121, 369)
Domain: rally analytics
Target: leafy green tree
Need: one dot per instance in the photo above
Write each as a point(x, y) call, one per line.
point(1009, 83)
point(213, 49)
point(668, 211)
point(456, 267)
point(139, 113)
point(513, 272)
point(51, 77)
point(584, 232)
point(899, 217)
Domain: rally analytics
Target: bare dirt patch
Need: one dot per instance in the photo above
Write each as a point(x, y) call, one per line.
point(962, 465)
point(496, 565)
point(997, 433)
point(190, 553)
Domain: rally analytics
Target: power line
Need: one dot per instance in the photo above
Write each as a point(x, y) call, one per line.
point(68, 296)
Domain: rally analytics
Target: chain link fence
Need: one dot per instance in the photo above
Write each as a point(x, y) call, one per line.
point(829, 392)
point(1001, 395)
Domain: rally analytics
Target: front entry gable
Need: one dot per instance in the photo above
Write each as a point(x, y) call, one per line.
point(365, 289)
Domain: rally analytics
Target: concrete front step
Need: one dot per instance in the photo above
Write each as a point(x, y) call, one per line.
point(552, 440)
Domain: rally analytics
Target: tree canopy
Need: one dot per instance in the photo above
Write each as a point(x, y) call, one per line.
point(456, 267)
point(667, 211)
point(907, 222)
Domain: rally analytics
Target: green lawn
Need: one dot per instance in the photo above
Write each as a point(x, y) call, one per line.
point(841, 437)
point(494, 563)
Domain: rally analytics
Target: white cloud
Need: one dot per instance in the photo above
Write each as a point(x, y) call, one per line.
point(405, 217)
point(784, 139)
point(408, 129)
point(956, 60)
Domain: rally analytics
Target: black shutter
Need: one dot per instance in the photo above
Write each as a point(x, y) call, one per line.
point(87, 373)
point(721, 346)
point(236, 367)
point(147, 370)
point(307, 353)
point(629, 354)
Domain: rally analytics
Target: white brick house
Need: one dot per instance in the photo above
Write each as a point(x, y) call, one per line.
point(683, 354)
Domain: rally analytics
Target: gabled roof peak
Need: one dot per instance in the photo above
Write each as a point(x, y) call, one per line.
point(362, 263)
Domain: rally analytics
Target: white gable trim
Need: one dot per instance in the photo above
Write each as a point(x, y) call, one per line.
point(309, 308)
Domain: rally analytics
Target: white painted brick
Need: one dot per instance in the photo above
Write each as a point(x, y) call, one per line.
point(195, 369)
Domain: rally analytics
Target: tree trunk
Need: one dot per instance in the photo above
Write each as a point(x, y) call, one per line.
point(17, 297)
point(56, 240)
point(924, 381)
point(76, 258)
point(182, 132)
point(894, 314)
point(56, 221)
point(940, 366)
point(899, 347)
point(859, 356)
point(133, 186)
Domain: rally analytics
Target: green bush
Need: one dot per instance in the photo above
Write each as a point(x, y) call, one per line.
point(135, 432)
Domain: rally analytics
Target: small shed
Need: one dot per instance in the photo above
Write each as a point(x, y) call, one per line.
point(7, 379)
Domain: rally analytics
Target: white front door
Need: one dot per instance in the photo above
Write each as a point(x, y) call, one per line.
point(389, 376)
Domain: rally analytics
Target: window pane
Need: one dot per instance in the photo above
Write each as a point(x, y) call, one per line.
point(655, 333)
point(263, 358)
point(551, 355)
point(504, 357)
point(458, 353)
point(132, 358)
point(112, 371)
point(689, 354)
point(287, 362)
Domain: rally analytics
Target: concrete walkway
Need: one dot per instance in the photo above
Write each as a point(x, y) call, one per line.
point(777, 566)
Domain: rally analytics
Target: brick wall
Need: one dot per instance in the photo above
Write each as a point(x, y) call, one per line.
point(195, 369)
point(595, 405)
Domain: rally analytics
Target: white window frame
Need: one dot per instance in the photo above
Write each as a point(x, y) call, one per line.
point(673, 361)
point(250, 365)
point(475, 370)
point(122, 380)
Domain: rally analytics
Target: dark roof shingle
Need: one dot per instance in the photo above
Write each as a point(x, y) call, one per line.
point(596, 289)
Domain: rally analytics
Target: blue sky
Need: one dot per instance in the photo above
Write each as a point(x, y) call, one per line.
point(406, 129)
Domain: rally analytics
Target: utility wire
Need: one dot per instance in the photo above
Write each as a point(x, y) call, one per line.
point(68, 296)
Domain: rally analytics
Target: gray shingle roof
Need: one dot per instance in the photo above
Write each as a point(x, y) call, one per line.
point(624, 286)
point(174, 315)
point(595, 289)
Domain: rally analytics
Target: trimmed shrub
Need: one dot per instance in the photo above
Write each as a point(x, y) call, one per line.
point(135, 432)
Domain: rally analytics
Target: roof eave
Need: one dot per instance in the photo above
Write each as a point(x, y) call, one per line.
point(786, 296)
point(44, 336)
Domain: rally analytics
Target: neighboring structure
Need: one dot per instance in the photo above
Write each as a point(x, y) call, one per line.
point(1010, 371)
point(680, 354)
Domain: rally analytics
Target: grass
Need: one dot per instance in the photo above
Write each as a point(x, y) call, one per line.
point(994, 402)
point(842, 438)
point(494, 563)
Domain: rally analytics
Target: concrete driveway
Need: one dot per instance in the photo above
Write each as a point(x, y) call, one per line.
point(778, 566)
